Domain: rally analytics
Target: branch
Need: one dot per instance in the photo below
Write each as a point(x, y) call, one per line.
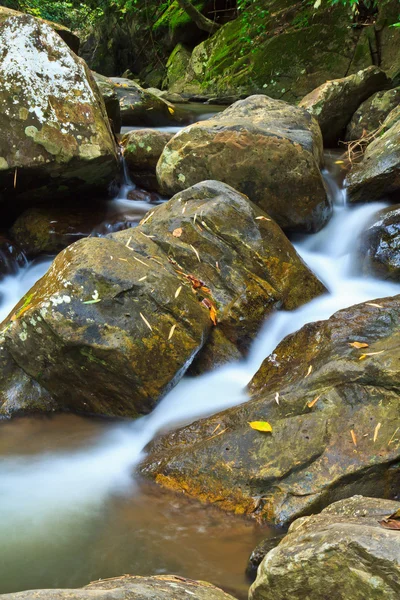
point(197, 17)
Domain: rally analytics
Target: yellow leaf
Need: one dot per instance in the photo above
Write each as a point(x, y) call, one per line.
point(171, 332)
point(309, 371)
point(178, 291)
point(262, 219)
point(358, 345)
point(339, 162)
point(171, 110)
point(260, 425)
point(312, 402)
point(373, 304)
point(377, 428)
point(177, 232)
point(370, 354)
point(353, 437)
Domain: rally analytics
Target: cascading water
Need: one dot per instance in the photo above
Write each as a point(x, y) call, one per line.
point(61, 493)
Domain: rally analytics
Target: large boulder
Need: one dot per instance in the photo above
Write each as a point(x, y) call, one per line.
point(55, 132)
point(379, 245)
point(342, 553)
point(111, 100)
point(372, 113)
point(264, 148)
point(142, 149)
point(333, 103)
point(70, 38)
point(129, 587)
point(111, 311)
point(378, 174)
point(177, 67)
point(330, 393)
point(140, 107)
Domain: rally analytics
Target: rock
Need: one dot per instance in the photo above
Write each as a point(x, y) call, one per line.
point(130, 587)
point(142, 149)
point(372, 113)
point(140, 107)
point(70, 38)
point(379, 246)
point(333, 103)
point(231, 146)
point(119, 318)
point(49, 229)
point(259, 552)
point(378, 174)
point(177, 66)
point(168, 96)
point(111, 100)
point(311, 458)
point(341, 553)
point(55, 134)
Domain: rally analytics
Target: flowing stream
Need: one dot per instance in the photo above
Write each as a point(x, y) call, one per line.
point(71, 511)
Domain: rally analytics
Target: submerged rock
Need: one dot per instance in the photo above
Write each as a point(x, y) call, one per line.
point(266, 149)
point(379, 246)
point(123, 317)
point(130, 587)
point(55, 132)
point(142, 149)
point(378, 174)
point(334, 411)
point(333, 103)
point(372, 113)
point(341, 553)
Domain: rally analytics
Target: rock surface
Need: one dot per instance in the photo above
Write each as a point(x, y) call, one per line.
point(341, 553)
point(333, 103)
point(129, 587)
point(111, 100)
point(334, 412)
point(55, 132)
point(119, 318)
point(372, 113)
point(378, 174)
point(142, 149)
point(379, 246)
point(231, 147)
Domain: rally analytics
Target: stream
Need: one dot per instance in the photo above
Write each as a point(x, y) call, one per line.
point(71, 510)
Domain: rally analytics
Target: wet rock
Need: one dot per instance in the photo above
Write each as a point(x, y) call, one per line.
point(11, 256)
point(177, 67)
point(334, 412)
point(259, 552)
point(372, 113)
point(168, 96)
point(124, 317)
point(130, 587)
point(378, 174)
point(142, 149)
point(231, 146)
point(341, 553)
point(379, 247)
point(50, 229)
point(111, 100)
point(333, 103)
point(140, 107)
point(55, 133)
point(70, 38)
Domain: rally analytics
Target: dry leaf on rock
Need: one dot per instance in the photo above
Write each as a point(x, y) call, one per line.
point(260, 426)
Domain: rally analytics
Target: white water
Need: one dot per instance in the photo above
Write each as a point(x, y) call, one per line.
point(61, 489)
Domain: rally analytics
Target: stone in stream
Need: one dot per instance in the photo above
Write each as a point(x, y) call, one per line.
point(130, 587)
point(372, 113)
point(142, 149)
point(140, 107)
point(333, 103)
point(378, 174)
point(116, 322)
point(331, 394)
point(379, 245)
point(264, 148)
point(55, 132)
point(343, 553)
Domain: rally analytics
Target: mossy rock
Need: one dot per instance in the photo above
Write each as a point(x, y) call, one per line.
point(177, 66)
point(334, 413)
point(345, 546)
point(372, 113)
point(56, 135)
point(142, 149)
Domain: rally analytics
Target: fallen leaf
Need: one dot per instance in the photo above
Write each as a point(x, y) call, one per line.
point(358, 344)
point(178, 291)
point(377, 428)
point(309, 371)
point(339, 162)
point(260, 426)
point(353, 437)
point(369, 354)
point(197, 284)
point(277, 398)
point(146, 321)
point(171, 110)
point(171, 333)
point(211, 307)
point(262, 219)
point(146, 218)
point(195, 251)
point(312, 402)
point(373, 304)
point(138, 259)
point(143, 278)
point(20, 312)
point(92, 301)
point(391, 522)
point(177, 232)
